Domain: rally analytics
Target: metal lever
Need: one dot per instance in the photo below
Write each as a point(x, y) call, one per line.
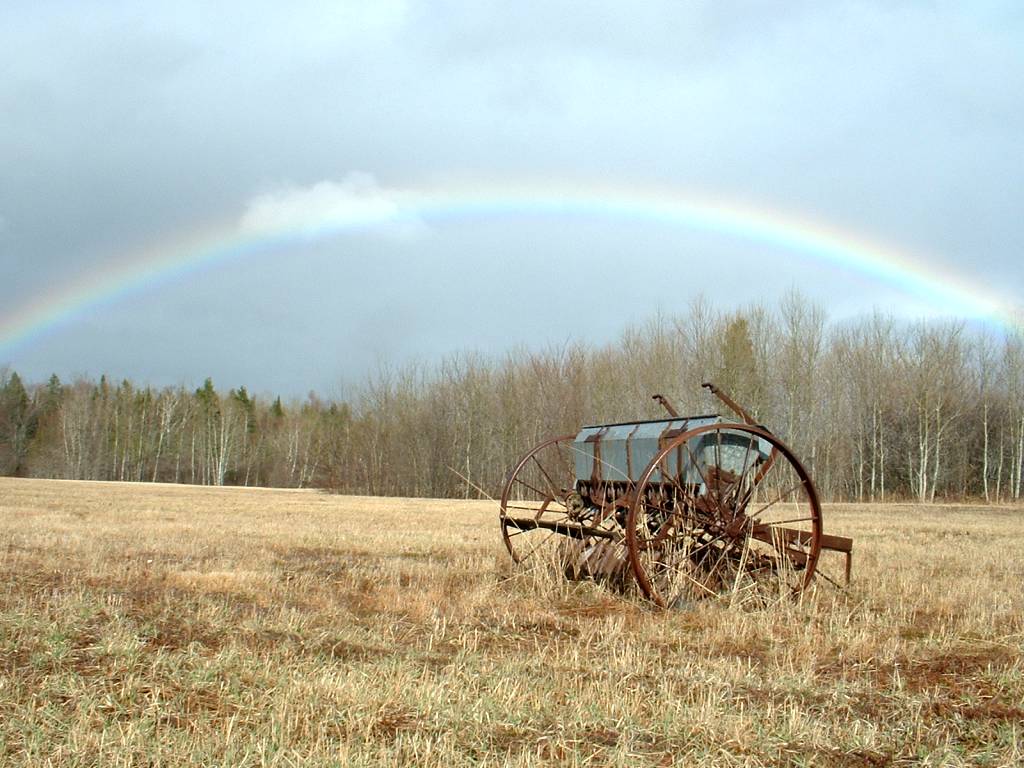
point(730, 403)
point(663, 401)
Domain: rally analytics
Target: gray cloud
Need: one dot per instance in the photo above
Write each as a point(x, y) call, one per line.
point(123, 126)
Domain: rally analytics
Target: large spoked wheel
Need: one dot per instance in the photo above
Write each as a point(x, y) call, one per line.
point(545, 522)
point(724, 509)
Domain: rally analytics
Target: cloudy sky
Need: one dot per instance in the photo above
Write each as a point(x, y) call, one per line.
point(286, 195)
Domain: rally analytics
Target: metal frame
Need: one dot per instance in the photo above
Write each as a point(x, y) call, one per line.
point(600, 527)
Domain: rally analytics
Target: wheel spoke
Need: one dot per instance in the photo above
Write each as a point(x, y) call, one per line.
point(787, 522)
point(700, 472)
point(567, 466)
point(708, 543)
point(685, 493)
point(759, 476)
point(520, 480)
point(740, 481)
point(541, 510)
point(783, 495)
point(718, 467)
point(537, 547)
point(721, 555)
point(689, 578)
point(829, 579)
point(551, 483)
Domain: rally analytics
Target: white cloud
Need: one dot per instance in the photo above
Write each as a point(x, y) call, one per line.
point(355, 202)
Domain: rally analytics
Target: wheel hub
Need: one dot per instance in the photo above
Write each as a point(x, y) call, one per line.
point(575, 506)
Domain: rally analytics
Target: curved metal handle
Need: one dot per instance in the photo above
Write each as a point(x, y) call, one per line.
point(663, 401)
point(731, 404)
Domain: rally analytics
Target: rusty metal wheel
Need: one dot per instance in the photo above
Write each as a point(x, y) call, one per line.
point(545, 522)
point(723, 509)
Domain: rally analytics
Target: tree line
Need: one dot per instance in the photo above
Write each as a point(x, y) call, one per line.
point(877, 409)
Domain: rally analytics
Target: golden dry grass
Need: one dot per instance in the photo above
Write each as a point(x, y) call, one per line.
point(169, 625)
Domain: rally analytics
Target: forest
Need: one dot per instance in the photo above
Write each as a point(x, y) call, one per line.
point(878, 409)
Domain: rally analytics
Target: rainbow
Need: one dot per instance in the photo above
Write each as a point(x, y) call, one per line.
point(953, 293)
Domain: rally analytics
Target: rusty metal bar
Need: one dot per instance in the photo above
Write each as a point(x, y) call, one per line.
point(572, 530)
point(664, 403)
point(767, 533)
point(731, 404)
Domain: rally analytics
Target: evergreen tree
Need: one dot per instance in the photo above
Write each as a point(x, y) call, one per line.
point(247, 405)
point(54, 394)
point(738, 374)
point(18, 422)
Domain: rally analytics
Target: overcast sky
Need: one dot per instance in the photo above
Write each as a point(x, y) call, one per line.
point(125, 126)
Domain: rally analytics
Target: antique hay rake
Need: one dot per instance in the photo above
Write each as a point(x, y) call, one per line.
point(684, 507)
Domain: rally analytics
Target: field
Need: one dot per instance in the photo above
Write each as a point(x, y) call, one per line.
point(169, 625)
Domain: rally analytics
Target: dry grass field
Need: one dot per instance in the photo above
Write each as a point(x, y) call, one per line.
point(166, 625)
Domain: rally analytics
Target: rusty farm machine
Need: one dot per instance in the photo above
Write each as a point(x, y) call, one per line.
point(681, 507)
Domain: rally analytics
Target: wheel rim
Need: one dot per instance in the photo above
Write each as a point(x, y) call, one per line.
point(742, 517)
point(545, 524)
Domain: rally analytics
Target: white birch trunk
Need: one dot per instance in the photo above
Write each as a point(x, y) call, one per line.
point(984, 450)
